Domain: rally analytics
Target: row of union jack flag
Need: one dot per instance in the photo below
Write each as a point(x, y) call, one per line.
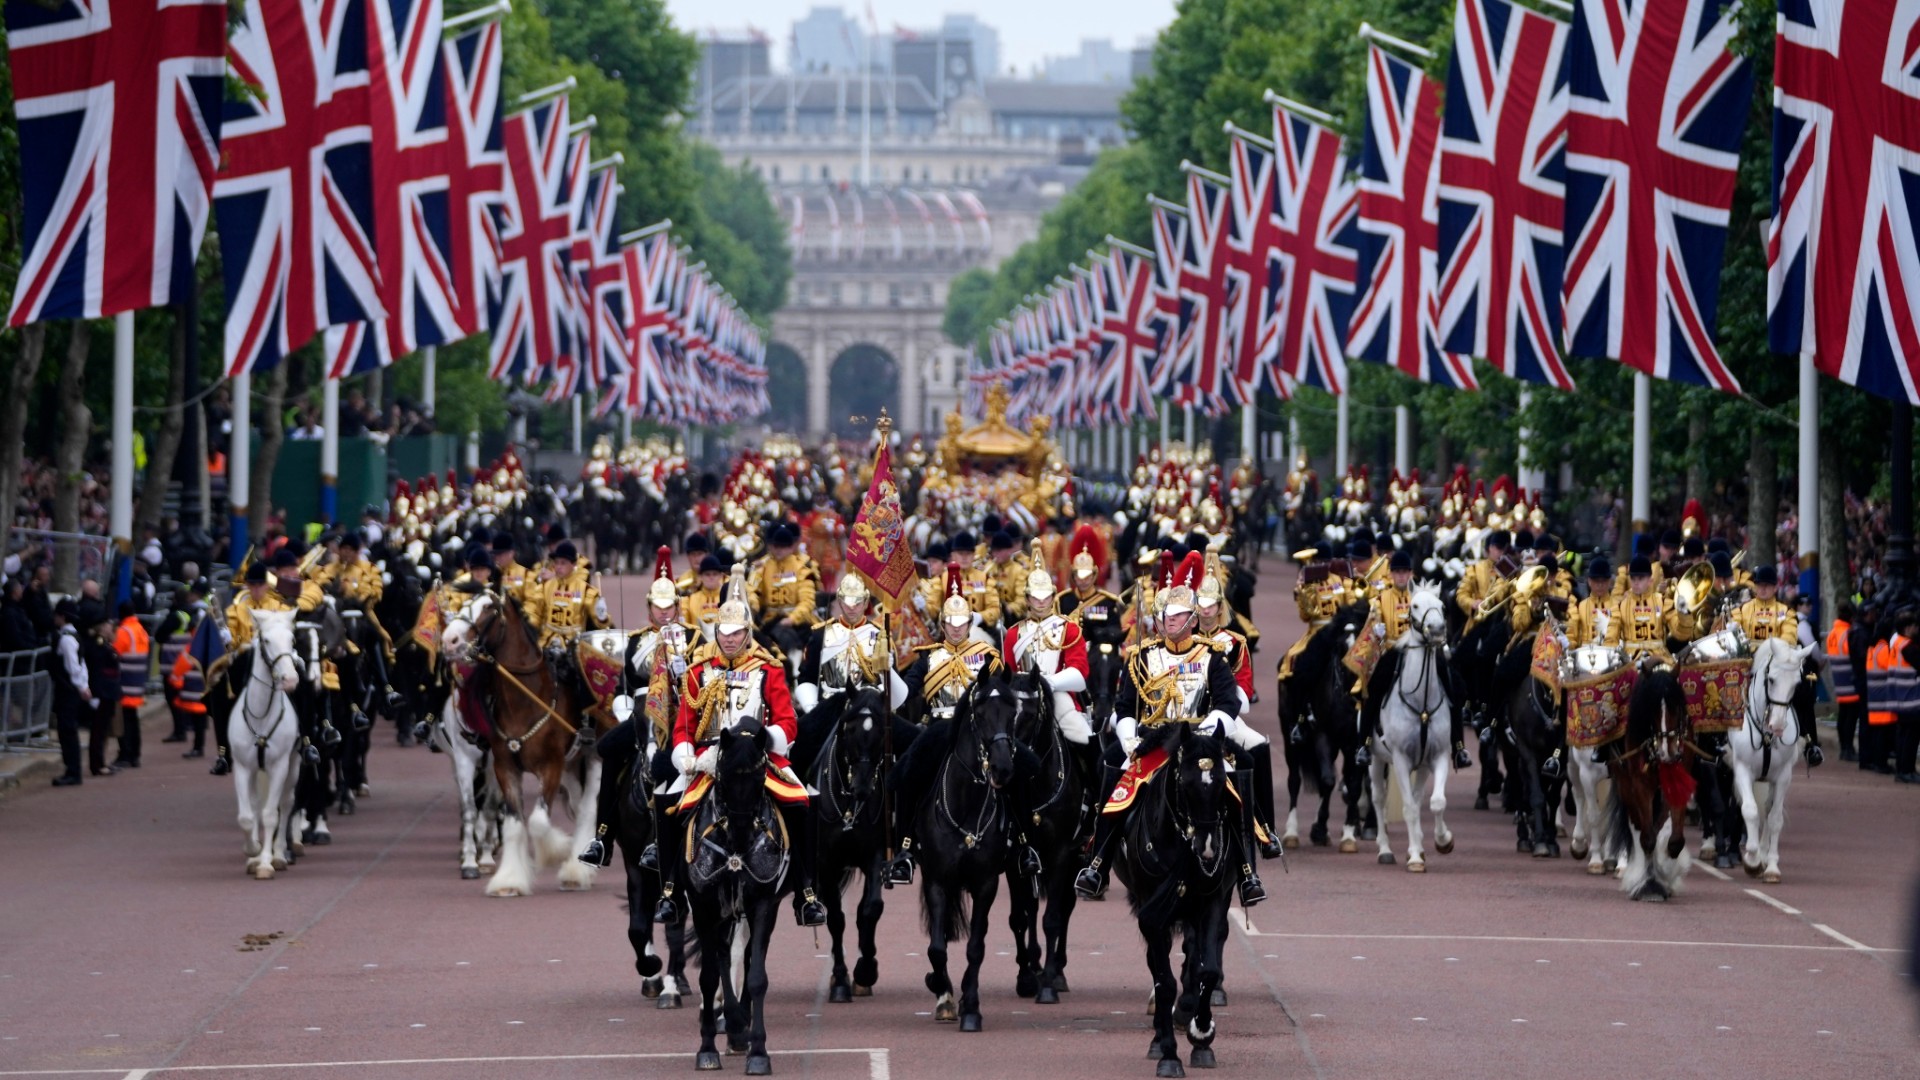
point(1567, 195)
point(369, 187)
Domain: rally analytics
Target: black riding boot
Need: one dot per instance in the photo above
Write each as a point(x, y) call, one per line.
point(668, 839)
point(1262, 756)
point(1369, 720)
point(1028, 782)
point(900, 870)
point(1092, 880)
point(618, 751)
point(802, 827)
point(1251, 891)
point(1457, 731)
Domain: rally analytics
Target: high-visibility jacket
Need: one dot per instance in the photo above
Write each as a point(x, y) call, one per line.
point(1839, 663)
point(188, 679)
point(1892, 685)
point(131, 643)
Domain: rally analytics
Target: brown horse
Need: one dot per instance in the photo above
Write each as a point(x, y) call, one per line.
point(1652, 770)
point(536, 729)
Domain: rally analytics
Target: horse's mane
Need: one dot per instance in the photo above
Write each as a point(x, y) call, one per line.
point(1656, 686)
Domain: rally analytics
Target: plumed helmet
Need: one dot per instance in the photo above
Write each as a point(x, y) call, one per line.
point(662, 592)
point(1211, 592)
point(733, 615)
point(1181, 595)
point(955, 606)
point(852, 589)
point(1089, 553)
point(1039, 582)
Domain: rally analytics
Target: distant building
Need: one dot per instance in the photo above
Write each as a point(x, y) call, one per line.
point(727, 58)
point(1097, 62)
point(829, 40)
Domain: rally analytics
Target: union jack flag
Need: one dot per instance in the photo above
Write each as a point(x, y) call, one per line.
point(1503, 187)
point(533, 318)
point(411, 185)
point(295, 190)
point(600, 278)
point(1843, 257)
point(1255, 273)
point(476, 170)
point(648, 262)
point(118, 103)
point(1656, 111)
point(1203, 286)
point(1132, 329)
point(1169, 252)
point(1394, 320)
point(1315, 205)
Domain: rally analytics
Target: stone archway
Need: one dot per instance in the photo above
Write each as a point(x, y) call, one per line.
point(863, 379)
point(786, 389)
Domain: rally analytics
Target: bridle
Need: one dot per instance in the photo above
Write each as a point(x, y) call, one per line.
point(248, 716)
point(1760, 732)
point(734, 864)
point(979, 775)
point(837, 775)
point(1192, 829)
point(1032, 703)
point(483, 652)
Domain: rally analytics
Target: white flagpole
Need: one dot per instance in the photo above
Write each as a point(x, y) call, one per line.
point(1403, 440)
point(1249, 431)
point(1642, 450)
point(120, 516)
point(1166, 420)
point(1189, 426)
point(330, 450)
point(1809, 505)
point(1340, 436)
point(576, 423)
point(1521, 466)
point(429, 357)
point(239, 466)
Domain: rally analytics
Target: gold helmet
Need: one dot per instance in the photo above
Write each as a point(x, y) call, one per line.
point(663, 593)
point(1211, 592)
point(1039, 582)
point(852, 589)
point(733, 615)
point(1178, 596)
point(955, 606)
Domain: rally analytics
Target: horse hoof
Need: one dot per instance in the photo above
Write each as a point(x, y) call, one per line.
point(650, 988)
point(1386, 858)
point(322, 839)
point(707, 1061)
point(1219, 998)
point(1610, 866)
point(1318, 834)
point(840, 994)
point(1290, 842)
point(1369, 833)
point(1027, 983)
point(668, 1001)
point(363, 791)
point(1047, 996)
point(1201, 1057)
point(1349, 846)
point(1169, 1067)
point(862, 991)
point(1444, 849)
point(1752, 870)
point(945, 1012)
point(1579, 849)
point(469, 873)
point(1771, 877)
point(970, 1022)
point(1596, 869)
point(649, 967)
point(279, 863)
point(1414, 866)
point(759, 1065)
point(1060, 983)
point(263, 872)
point(1480, 803)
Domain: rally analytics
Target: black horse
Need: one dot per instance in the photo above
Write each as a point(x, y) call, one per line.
point(1533, 732)
point(1057, 777)
point(1178, 869)
point(738, 870)
point(1317, 701)
point(1476, 660)
point(961, 769)
point(843, 751)
point(635, 825)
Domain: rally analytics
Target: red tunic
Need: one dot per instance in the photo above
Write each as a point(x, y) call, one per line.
point(1073, 647)
point(748, 665)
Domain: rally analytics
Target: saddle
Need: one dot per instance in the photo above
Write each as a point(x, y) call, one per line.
point(781, 785)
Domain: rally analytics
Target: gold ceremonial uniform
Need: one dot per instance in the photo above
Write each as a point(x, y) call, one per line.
point(563, 607)
point(1318, 603)
point(1010, 578)
point(700, 609)
point(1587, 621)
point(512, 579)
point(240, 614)
point(1641, 624)
point(780, 586)
point(357, 582)
point(1620, 580)
point(1476, 584)
point(1763, 619)
point(983, 593)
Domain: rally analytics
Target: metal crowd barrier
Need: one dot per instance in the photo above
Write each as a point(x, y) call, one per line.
point(26, 700)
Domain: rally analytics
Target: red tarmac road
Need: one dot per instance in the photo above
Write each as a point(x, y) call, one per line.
point(123, 910)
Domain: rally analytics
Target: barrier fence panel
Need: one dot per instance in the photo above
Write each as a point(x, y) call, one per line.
point(26, 699)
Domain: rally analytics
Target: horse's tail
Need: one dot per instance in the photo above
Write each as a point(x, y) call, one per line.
point(954, 925)
point(1615, 826)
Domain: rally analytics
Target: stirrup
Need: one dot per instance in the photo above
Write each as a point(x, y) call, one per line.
point(1090, 881)
point(1550, 768)
point(361, 721)
point(1462, 759)
point(329, 736)
point(221, 766)
point(900, 870)
point(1251, 891)
point(1815, 755)
point(311, 753)
point(649, 857)
point(597, 854)
point(1363, 757)
point(808, 910)
point(1029, 861)
point(423, 730)
point(665, 911)
point(1294, 737)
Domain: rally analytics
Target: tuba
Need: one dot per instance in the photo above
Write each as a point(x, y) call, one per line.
point(1691, 593)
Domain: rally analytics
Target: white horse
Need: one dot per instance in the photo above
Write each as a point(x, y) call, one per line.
point(1590, 838)
point(1416, 724)
point(263, 730)
point(1765, 748)
point(479, 793)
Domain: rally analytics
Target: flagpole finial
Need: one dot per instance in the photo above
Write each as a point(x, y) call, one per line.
point(885, 424)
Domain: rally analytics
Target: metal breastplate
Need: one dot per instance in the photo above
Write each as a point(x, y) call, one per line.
point(743, 697)
point(945, 699)
point(1189, 677)
point(844, 651)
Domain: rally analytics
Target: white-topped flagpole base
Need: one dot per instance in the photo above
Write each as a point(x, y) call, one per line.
point(330, 450)
point(473, 450)
point(1642, 507)
point(429, 365)
point(1403, 440)
point(120, 498)
point(1340, 436)
point(1250, 432)
point(1166, 422)
point(239, 466)
point(1188, 430)
point(576, 423)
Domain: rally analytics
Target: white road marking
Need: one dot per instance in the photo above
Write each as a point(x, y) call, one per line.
point(879, 1063)
point(1714, 870)
point(1829, 931)
point(1778, 905)
point(1847, 941)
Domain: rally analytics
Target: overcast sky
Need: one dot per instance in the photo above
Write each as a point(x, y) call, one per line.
point(1029, 30)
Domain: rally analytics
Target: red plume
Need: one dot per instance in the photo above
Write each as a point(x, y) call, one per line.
point(1191, 569)
point(453, 479)
point(1087, 538)
point(663, 562)
point(1165, 574)
point(956, 580)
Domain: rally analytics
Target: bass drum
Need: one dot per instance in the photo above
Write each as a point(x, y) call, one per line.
point(1589, 660)
point(1728, 644)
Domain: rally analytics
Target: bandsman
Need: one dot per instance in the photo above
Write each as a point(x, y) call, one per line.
point(1765, 617)
point(566, 602)
point(784, 584)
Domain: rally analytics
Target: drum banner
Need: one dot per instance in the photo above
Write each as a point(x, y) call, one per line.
point(1547, 652)
point(601, 672)
point(430, 624)
point(1597, 707)
point(1365, 654)
point(1716, 694)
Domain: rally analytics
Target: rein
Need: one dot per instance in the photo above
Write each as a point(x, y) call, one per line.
point(513, 679)
point(247, 716)
point(1760, 735)
point(990, 806)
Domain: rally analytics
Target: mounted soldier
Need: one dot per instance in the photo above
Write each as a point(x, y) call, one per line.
point(657, 661)
point(700, 605)
point(738, 684)
point(1177, 678)
point(1764, 617)
point(1214, 614)
point(782, 591)
point(847, 652)
point(1009, 567)
point(1323, 589)
point(983, 593)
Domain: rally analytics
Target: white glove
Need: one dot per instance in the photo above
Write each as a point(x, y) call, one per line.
point(1245, 703)
point(896, 689)
point(777, 740)
point(708, 761)
point(683, 758)
point(1215, 723)
point(1128, 730)
point(806, 697)
point(1380, 630)
point(1067, 679)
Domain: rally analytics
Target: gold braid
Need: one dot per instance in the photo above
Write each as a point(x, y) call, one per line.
point(1156, 691)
